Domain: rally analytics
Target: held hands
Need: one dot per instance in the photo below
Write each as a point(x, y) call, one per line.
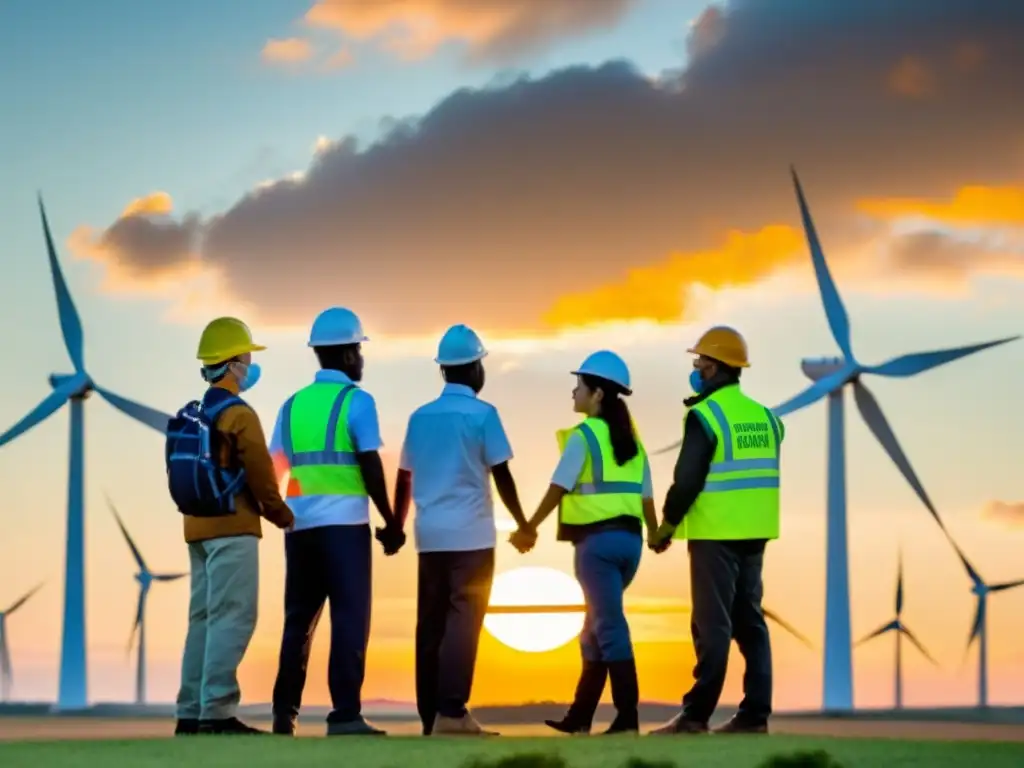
point(391, 538)
point(660, 540)
point(523, 539)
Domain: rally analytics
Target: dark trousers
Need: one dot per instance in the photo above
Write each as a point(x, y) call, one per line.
point(332, 563)
point(727, 586)
point(454, 589)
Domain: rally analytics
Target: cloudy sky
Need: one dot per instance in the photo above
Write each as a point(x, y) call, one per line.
point(563, 175)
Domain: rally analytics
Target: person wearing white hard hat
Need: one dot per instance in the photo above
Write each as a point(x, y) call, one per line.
point(603, 491)
point(453, 446)
point(326, 442)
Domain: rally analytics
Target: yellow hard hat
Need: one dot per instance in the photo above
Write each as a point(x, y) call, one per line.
point(225, 338)
point(723, 344)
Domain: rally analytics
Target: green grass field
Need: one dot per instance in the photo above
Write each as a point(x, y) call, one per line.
point(593, 752)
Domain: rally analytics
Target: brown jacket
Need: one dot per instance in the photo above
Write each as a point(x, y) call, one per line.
point(242, 437)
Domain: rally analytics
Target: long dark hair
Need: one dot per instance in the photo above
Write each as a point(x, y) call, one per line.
point(615, 414)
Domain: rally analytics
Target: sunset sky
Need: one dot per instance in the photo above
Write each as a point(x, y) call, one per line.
point(563, 176)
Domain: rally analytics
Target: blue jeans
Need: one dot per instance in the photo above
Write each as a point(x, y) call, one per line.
point(605, 563)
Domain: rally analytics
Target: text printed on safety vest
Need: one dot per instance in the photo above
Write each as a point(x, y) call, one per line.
point(752, 434)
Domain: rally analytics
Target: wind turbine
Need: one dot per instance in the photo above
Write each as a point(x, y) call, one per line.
point(830, 376)
point(6, 670)
point(901, 630)
point(145, 577)
point(74, 388)
point(979, 628)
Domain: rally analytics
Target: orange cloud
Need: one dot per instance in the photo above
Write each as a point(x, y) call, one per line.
point(153, 204)
point(659, 292)
point(972, 205)
point(494, 30)
point(1008, 513)
point(290, 50)
point(145, 219)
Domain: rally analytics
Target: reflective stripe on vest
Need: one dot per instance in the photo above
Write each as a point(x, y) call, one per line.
point(322, 460)
point(740, 498)
point(604, 489)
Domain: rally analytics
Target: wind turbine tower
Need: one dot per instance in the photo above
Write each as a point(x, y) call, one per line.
point(6, 669)
point(145, 577)
point(901, 630)
point(73, 389)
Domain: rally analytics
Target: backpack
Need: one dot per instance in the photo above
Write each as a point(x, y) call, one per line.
point(199, 486)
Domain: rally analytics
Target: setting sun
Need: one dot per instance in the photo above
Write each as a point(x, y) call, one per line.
point(535, 609)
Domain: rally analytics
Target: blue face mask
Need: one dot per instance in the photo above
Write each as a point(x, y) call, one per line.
point(252, 376)
point(696, 382)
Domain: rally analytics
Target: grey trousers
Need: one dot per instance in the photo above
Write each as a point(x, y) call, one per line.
point(221, 621)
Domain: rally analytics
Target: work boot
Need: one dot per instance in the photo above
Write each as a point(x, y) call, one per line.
point(283, 725)
point(228, 726)
point(738, 725)
point(459, 726)
point(679, 725)
point(589, 688)
point(625, 696)
point(186, 726)
point(357, 727)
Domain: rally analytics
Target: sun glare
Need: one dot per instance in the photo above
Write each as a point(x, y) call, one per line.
point(540, 630)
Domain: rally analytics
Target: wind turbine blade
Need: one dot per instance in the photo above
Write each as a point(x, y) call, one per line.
point(127, 537)
point(23, 599)
point(899, 586)
point(70, 322)
point(917, 644)
point(169, 576)
point(889, 627)
point(142, 413)
point(771, 615)
point(816, 391)
point(138, 620)
point(872, 414)
point(838, 320)
point(919, 362)
point(979, 619)
point(1006, 585)
point(41, 412)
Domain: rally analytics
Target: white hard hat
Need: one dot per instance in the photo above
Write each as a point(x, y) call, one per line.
point(459, 346)
point(606, 365)
point(336, 326)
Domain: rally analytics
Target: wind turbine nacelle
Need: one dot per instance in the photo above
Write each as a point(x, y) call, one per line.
point(816, 368)
point(84, 387)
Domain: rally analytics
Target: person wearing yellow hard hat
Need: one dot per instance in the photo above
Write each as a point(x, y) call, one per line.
point(603, 491)
point(327, 442)
point(725, 503)
point(454, 445)
point(222, 480)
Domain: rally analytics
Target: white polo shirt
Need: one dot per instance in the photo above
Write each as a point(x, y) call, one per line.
point(450, 445)
point(364, 429)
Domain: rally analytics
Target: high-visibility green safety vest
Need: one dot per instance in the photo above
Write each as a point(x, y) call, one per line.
point(317, 444)
point(604, 489)
point(740, 499)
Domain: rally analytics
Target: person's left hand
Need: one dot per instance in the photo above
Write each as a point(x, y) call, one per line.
point(523, 539)
point(661, 539)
